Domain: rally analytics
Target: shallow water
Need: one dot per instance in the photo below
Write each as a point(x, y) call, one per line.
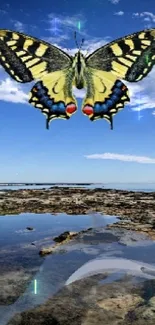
point(13, 227)
point(53, 271)
point(142, 187)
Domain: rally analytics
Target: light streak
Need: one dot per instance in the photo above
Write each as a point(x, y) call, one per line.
point(35, 287)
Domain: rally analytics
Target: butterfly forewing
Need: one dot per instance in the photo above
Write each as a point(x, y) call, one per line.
point(27, 58)
point(130, 58)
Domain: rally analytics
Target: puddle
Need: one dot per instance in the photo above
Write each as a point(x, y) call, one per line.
point(35, 279)
point(13, 227)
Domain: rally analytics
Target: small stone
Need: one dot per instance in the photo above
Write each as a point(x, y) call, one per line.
point(30, 228)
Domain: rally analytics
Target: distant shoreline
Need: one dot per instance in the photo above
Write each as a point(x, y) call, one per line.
point(38, 184)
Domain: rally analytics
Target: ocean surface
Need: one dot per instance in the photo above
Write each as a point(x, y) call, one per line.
point(144, 187)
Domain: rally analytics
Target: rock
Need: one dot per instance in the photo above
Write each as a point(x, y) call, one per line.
point(47, 250)
point(87, 303)
point(62, 239)
point(121, 304)
point(30, 228)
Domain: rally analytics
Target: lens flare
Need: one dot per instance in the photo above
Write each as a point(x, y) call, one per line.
point(35, 286)
point(79, 25)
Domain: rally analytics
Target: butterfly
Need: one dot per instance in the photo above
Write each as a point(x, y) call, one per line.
point(27, 58)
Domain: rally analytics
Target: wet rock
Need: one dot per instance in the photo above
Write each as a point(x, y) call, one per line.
point(29, 228)
point(62, 239)
point(87, 303)
point(65, 235)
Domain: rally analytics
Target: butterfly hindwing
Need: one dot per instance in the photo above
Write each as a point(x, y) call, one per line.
point(53, 95)
point(106, 95)
point(130, 58)
point(27, 58)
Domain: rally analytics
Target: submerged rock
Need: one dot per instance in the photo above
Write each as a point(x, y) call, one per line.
point(88, 303)
point(29, 228)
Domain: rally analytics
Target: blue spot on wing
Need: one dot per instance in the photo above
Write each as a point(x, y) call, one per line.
point(41, 92)
point(114, 97)
point(118, 83)
point(104, 107)
point(118, 90)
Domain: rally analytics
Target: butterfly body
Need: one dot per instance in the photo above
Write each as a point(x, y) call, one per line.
point(80, 66)
point(27, 58)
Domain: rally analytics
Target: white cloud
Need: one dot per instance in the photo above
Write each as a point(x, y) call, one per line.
point(146, 16)
point(62, 27)
point(3, 12)
point(19, 26)
point(153, 113)
point(95, 43)
point(79, 93)
point(59, 22)
point(88, 47)
point(128, 158)
point(11, 92)
point(119, 13)
point(147, 19)
point(135, 14)
point(114, 1)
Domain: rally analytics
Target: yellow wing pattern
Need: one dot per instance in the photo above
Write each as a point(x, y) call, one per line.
point(106, 95)
point(53, 96)
point(130, 58)
point(27, 58)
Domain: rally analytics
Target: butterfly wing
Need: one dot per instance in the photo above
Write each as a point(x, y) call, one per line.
point(26, 58)
point(53, 95)
point(130, 58)
point(106, 95)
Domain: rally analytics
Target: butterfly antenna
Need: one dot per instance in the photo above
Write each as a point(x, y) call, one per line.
point(82, 43)
point(76, 42)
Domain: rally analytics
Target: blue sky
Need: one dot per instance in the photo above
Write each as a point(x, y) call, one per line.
point(77, 150)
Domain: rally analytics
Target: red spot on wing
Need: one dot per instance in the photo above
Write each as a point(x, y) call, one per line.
point(71, 108)
point(88, 110)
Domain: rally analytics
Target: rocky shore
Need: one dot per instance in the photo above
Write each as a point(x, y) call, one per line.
point(135, 209)
point(88, 303)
